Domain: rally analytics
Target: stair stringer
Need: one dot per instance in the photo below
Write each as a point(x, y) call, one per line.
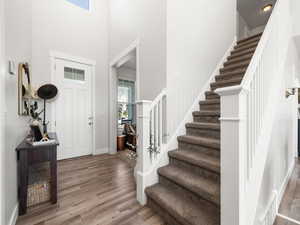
point(151, 177)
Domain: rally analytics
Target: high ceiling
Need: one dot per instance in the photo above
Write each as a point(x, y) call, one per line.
point(251, 11)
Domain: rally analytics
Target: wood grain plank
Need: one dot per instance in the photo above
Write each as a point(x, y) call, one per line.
point(93, 190)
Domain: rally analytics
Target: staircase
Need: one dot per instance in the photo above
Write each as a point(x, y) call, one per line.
point(188, 192)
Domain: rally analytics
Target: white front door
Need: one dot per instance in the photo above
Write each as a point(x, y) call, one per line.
point(73, 109)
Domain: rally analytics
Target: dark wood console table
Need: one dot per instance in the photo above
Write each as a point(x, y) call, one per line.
point(28, 155)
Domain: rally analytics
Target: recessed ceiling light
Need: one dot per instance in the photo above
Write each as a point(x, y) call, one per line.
point(267, 8)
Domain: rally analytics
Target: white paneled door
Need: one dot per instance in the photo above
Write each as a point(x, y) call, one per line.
point(73, 109)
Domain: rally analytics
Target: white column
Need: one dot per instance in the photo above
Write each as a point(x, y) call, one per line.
point(143, 143)
point(233, 155)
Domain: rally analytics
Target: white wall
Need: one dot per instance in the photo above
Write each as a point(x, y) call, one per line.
point(143, 19)
point(284, 134)
point(126, 73)
point(33, 28)
point(18, 48)
point(282, 149)
point(242, 27)
point(2, 112)
point(198, 35)
point(257, 30)
point(244, 30)
point(69, 29)
point(295, 7)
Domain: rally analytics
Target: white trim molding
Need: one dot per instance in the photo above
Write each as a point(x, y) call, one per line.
point(288, 219)
point(14, 215)
point(72, 58)
point(237, 119)
point(269, 216)
point(113, 65)
point(101, 151)
point(285, 183)
point(2, 163)
point(125, 52)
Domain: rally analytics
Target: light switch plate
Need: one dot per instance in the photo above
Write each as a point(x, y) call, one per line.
point(12, 67)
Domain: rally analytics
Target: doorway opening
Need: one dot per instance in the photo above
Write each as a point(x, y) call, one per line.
point(124, 92)
point(126, 113)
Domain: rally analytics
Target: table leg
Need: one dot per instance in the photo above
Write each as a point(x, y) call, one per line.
point(23, 185)
point(53, 171)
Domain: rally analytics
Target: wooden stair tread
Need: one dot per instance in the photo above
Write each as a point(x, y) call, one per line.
point(199, 185)
point(197, 159)
point(244, 58)
point(206, 113)
point(198, 125)
point(223, 82)
point(249, 38)
point(201, 141)
point(184, 210)
point(188, 192)
point(235, 53)
point(210, 102)
point(255, 39)
point(235, 66)
point(246, 46)
point(229, 76)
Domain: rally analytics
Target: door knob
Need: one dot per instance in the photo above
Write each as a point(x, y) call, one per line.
point(90, 123)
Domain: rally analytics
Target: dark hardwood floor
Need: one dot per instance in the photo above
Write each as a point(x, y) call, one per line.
point(93, 190)
point(290, 205)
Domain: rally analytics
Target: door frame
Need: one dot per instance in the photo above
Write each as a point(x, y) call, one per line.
point(113, 118)
point(54, 55)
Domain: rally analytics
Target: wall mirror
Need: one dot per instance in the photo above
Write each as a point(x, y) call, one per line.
point(27, 96)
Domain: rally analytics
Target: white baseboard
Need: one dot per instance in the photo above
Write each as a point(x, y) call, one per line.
point(288, 219)
point(14, 216)
point(269, 216)
point(271, 211)
point(101, 151)
point(282, 189)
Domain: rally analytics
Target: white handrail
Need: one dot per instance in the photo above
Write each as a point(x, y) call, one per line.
point(260, 48)
point(151, 128)
point(259, 77)
point(247, 118)
point(159, 98)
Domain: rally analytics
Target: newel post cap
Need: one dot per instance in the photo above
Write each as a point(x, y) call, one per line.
point(233, 90)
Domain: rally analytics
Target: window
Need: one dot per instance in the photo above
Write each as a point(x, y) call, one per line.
point(85, 4)
point(74, 74)
point(126, 101)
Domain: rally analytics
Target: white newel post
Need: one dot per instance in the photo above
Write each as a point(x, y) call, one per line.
point(143, 143)
point(233, 155)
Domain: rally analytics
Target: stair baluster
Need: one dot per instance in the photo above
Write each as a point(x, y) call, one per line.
point(150, 131)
